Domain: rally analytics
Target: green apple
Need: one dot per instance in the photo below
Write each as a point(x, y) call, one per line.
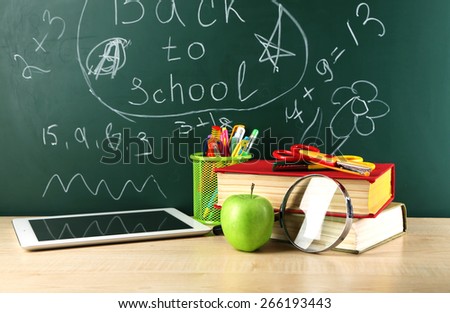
point(247, 221)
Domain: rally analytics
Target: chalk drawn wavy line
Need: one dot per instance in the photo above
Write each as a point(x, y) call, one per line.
point(139, 228)
point(101, 183)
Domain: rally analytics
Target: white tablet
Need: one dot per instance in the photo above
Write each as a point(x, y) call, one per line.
point(99, 228)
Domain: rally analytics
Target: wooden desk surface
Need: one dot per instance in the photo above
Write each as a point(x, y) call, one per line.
point(419, 261)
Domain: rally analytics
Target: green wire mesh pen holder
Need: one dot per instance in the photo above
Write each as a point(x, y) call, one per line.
point(205, 185)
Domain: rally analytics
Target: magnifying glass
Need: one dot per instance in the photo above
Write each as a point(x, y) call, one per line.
point(304, 218)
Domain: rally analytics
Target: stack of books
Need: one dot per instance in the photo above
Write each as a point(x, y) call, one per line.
point(376, 218)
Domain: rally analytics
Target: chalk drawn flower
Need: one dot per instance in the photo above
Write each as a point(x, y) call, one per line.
point(359, 108)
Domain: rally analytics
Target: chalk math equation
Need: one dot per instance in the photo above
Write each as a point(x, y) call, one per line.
point(358, 102)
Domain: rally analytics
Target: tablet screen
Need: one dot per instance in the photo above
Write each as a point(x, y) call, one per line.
point(104, 225)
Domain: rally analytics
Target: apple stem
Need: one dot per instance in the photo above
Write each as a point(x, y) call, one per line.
point(251, 191)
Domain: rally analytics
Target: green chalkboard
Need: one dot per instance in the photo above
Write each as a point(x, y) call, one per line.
point(102, 102)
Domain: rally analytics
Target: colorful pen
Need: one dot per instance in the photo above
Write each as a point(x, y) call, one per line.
point(236, 136)
point(238, 127)
point(240, 147)
point(251, 141)
point(225, 142)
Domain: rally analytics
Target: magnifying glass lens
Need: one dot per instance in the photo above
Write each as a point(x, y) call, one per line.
point(306, 213)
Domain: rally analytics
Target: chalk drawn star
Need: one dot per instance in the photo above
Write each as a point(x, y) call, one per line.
point(270, 44)
point(276, 48)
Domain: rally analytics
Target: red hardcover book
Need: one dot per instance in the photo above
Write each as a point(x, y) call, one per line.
point(369, 194)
